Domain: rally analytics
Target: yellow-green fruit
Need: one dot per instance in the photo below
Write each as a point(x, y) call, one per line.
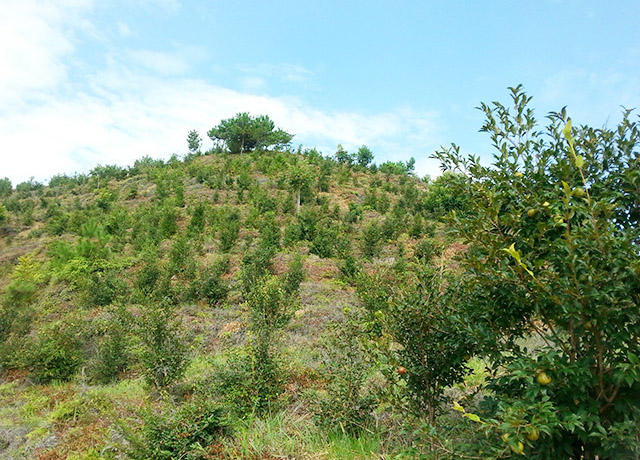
point(505, 437)
point(578, 192)
point(518, 174)
point(532, 212)
point(545, 204)
point(533, 435)
point(543, 378)
point(517, 449)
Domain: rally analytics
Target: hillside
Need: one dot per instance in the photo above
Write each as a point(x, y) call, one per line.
point(84, 255)
point(279, 304)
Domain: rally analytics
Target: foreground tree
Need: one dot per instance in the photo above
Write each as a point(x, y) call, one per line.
point(244, 133)
point(553, 254)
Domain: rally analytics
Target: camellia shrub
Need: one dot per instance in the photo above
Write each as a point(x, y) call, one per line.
point(552, 275)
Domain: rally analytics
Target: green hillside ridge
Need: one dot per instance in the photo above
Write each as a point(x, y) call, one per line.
point(89, 244)
point(282, 304)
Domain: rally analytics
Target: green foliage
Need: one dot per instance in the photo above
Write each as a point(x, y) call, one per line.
point(164, 353)
point(324, 241)
point(24, 188)
point(210, 285)
point(4, 214)
point(229, 231)
point(270, 230)
point(449, 192)
point(54, 355)
point(24, 283)
point(187, 432)
point(112, 357)
point(418, 227)
point(344, 157)
point(390, 168)
point(244, 133)
point(105, 199)
point(294, 276)
point(349, 268)
point(434, 348)
point(269, 311)
point(103, 287)
point(5, 187)
point(181, 262)
point(553, 254)
point(256, 264)
point(299, 179)
point(364, 156)
point(108, 172)
point(345, 403)
point(371, 236)
point(148, 276)
point(194, 141)
point(426, 250)
point(198, 219)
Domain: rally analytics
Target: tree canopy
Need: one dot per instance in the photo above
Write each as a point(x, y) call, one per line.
point(244, 133)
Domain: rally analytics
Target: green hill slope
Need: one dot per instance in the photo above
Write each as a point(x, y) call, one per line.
point(87, 262)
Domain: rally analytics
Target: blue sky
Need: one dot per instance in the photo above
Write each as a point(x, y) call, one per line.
point(86, 82)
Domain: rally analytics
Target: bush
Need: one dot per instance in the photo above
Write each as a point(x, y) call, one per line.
point(345, 404)
point(148, 276)
point(295, 275)
point(54, 356)
point(426, 250)
point(349, 268)
point(324, 242)
point(164, 354)
point(292, 234)
point(103, 288)
point(371, 240)
point(210, 286)
point(270, 230)
point(188, 432)
point(433, 347)
point(24, 283)
point(5, 187)
point(270, 311)
point(229, 231)
point(256, 264)
point(553, 254)
point(449, 192)
point(112, 357)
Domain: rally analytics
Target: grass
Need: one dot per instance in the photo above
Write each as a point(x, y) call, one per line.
point(291, 435)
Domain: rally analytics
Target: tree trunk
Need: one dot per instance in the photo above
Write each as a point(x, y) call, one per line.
point(298, 203)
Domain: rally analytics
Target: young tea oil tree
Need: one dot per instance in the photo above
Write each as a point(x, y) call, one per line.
point(553, 254)
point(298, 178)
point(164, 353)
point(269, 311)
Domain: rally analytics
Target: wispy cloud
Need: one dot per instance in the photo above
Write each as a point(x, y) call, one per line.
point(591, 96)
point(142, 103)
point(284, 71)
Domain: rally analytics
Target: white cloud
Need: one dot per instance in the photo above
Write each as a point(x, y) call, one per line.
point(126, 113)
point(35, 40)
point(160, 62)
point(293, 73)
point(124, 31)
point(592, 97)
